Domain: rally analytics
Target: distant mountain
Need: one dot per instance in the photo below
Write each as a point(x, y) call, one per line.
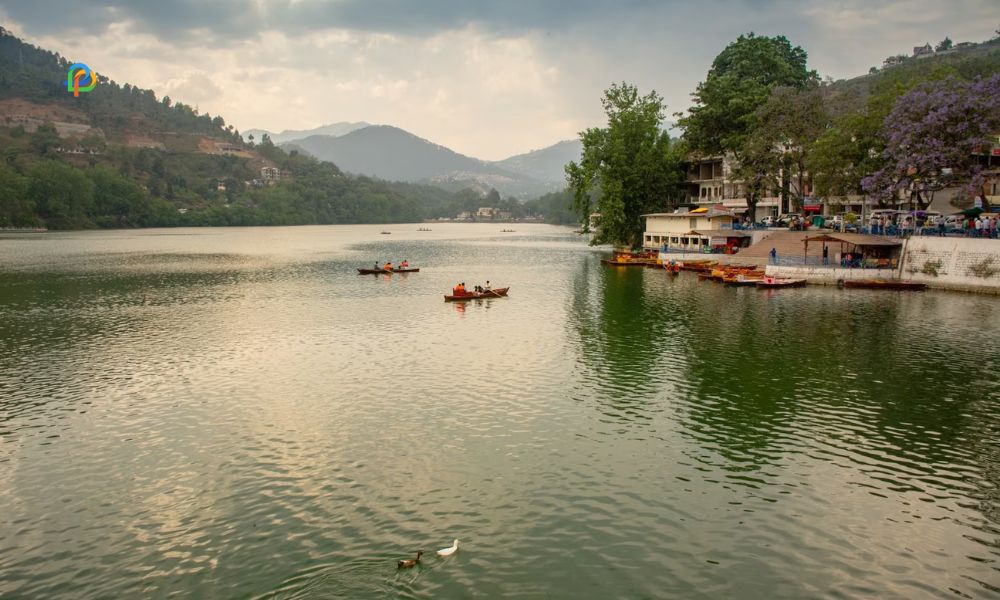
point(547, 164)
point(290, 135)
point(392, 153)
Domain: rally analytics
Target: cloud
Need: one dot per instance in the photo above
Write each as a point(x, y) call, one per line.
point(489, 79)
point(184, 20)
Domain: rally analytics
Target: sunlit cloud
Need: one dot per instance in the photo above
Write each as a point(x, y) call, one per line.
point(486, 79)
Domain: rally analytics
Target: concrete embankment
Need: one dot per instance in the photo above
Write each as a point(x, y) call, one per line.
point(950, 263)
point(966, 264)
point(961, 264)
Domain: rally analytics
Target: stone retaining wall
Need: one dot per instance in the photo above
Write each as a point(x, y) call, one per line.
point(953, 263)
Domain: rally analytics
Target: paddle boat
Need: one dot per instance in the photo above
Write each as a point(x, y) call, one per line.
point(387, 271)
point(776, 282)
point(495, 293)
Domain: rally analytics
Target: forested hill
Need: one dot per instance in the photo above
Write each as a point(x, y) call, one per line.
point(30, 87)
point(964, 63)
point(118, 156)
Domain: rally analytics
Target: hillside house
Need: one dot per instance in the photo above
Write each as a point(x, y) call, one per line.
point(270, 175)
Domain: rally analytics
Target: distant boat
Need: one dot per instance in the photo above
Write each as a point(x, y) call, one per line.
point(385, 232)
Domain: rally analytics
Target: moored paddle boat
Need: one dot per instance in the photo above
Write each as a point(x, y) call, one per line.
point(775, 282)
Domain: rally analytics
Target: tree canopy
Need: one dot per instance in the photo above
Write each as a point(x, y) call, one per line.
point(933, 136)
point(737, 85)
point(626, 169)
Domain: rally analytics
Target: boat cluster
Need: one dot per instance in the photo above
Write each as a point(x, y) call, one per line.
point(754, 276)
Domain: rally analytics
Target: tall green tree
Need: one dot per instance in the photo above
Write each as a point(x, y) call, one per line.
point(626, 169)
point(740, 81)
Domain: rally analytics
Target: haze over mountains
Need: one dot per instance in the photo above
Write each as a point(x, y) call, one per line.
point(289, 135)
point(392, 153)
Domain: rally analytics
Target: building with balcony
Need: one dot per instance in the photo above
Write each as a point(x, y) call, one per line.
point(710, 182)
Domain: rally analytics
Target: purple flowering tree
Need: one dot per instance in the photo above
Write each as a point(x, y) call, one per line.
point(934, 136)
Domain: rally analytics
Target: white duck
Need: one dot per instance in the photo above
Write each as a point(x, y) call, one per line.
point(449, 551)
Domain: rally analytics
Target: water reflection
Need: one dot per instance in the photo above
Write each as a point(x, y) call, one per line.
point(275, 425)
point(861, 388)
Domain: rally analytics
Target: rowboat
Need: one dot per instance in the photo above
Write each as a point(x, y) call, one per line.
point(885, 284)
point(699, 266)
point(378, 271)
point(742, 280)
point(497, 293)
point(624, 263)
point(774, 282)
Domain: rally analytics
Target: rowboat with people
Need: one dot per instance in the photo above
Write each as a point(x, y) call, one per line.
point(497, 293)
point(386, 271)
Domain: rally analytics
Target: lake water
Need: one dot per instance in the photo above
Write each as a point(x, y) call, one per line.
point(236, 413)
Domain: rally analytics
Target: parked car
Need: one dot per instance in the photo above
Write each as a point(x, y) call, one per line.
point(769, 221)
point(788, 219)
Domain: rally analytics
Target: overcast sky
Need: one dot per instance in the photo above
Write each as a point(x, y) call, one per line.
point(488, 79)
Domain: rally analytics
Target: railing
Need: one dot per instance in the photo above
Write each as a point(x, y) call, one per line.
point(819, 261)
point(692, 250)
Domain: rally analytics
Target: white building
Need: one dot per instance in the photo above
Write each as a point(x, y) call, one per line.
point(692, 231)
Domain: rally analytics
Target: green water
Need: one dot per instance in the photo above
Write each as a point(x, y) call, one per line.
point(235, 413)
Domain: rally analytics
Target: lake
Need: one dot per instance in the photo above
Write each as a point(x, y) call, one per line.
point(236, 413)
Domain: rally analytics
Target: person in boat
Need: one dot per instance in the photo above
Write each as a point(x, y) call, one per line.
point(488, 286)
point(458, 290)
point(387, 266)
point(404, 265)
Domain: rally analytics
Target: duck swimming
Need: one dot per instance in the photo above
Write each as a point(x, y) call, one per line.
point(409, 563)
point(449, 551)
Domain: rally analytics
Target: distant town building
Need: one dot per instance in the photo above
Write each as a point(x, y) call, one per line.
point(485, 212)
point(892, 61)
point(923, 51)
point(270, 175)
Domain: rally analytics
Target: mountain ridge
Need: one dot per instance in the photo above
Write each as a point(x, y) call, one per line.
point(392, 153)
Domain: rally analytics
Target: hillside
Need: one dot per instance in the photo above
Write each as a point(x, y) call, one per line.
point(120, 157)
point(968, 62)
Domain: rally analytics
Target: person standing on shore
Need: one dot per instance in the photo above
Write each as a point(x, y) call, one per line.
point(774, 255)
point(826, 254)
